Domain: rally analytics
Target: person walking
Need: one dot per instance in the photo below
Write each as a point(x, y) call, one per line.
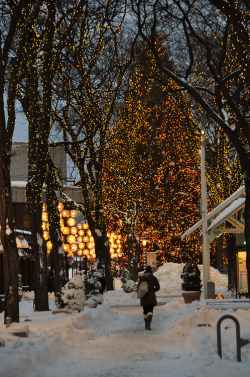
point(148, 302)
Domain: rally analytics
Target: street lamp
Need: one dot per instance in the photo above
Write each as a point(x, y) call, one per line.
point(144, 244)
point(205, 241)
point(115, 245)
point(77, 238)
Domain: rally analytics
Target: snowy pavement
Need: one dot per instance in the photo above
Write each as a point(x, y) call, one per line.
point(161, 300)
point(110, 340)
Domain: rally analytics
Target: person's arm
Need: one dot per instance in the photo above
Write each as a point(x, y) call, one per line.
point(157, 285)
point(138, 284)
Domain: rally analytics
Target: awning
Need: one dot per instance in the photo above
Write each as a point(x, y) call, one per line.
point(223, 212)
point(237, 205)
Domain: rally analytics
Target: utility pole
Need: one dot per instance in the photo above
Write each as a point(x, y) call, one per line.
point(205, 242)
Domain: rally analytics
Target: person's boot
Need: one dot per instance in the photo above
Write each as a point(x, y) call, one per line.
point(148, 324)
point(145, 320)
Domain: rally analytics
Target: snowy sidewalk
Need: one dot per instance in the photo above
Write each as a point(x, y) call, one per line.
point(111, 341)
point(161, 300)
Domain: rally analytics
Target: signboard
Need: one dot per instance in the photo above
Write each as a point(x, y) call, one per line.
point(241, 272)
point(151, 261)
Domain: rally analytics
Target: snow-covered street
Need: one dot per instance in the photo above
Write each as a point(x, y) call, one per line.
point(111, 340)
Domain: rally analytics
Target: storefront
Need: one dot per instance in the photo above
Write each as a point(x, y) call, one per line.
point(242, 286)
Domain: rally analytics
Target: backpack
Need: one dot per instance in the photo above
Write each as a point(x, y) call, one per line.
point(143, 289)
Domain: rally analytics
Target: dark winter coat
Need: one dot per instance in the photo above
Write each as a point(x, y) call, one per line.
point(153, 286)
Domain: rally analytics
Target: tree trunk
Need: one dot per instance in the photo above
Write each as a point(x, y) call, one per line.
point(136, 259)
point(102, 253)
point(41, 302)
point(133, 257)
point(34, 187)
point(10, 258)
point(130, 252)
point(231, 253)
point(58, 268)
point(219, 254)
point(36, 176)
point(132, 243)
point(6, 217)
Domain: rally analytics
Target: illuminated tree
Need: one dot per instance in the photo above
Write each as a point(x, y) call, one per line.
point(213, 34)
point(224, 178)
point(152, 166)
point(11, 37)
point(36, 90)
point(121, 189)
point(92, 67)
point(223, 170)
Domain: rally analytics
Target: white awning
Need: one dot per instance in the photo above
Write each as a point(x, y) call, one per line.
point(222, 212)
point(225, 215)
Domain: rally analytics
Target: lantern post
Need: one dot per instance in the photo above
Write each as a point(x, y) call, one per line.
point(205, 241)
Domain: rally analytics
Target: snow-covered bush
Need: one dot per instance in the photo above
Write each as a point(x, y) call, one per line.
point(94, 282)
point(72, 295)
point(128, 285)
point(191, 277)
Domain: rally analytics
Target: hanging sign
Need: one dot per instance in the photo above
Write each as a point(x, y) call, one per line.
point(151, 261)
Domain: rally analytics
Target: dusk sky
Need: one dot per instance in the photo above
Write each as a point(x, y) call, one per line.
point(21, 128)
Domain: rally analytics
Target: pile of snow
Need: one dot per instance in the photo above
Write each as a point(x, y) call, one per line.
point(111, 341)
point(169, 276)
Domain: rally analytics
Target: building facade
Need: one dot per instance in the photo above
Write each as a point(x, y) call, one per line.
point(19, 177)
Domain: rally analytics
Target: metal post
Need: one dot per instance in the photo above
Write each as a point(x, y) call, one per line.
point(144, 254)
point(229, 316)
point(205, 246)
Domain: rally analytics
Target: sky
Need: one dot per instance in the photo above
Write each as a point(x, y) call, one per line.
point(111, 341)
point(21, 134)
point(21, 129)
point(21, 126)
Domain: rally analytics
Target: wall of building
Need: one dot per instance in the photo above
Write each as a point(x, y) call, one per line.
point(19, 177)
point(19, 161)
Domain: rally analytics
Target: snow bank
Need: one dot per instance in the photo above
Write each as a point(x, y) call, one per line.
point(169, 276)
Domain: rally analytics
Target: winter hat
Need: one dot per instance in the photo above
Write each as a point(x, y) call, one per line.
point(148, 269)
